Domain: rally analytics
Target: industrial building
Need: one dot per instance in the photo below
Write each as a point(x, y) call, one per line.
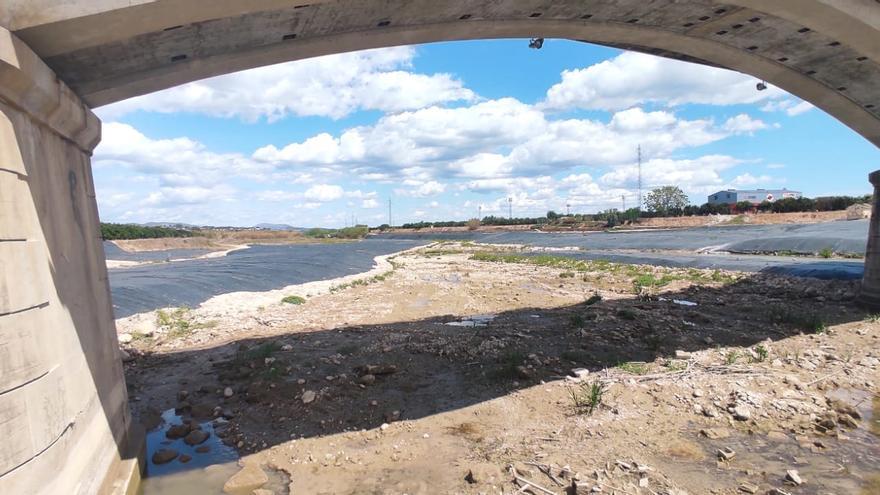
point(755, 196)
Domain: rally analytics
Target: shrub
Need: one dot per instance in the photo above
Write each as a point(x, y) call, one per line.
point(587, 397)
point(296, 300)
point(826, 252)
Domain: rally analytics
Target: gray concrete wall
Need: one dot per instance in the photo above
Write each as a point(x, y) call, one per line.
point(64, 419)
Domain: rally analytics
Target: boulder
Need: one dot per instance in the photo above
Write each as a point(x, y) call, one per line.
point(250, 478)
point(164, 456)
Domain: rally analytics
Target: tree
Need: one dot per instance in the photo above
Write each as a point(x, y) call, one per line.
point(666, 199)
point(552, 215)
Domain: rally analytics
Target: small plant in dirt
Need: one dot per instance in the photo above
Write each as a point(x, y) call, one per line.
point(810, 322)
point(673, 365)
point(626, 314)
point(826, 252)
point(595, 298)
point(258, 353)
point(760, 354)
point(566, 275)
point(176, 322)
point(634, 368)
point(510, 360)
point(587, 397)
point(872, 317)
point(731, 358)
point(295, 300)
point(577, 320)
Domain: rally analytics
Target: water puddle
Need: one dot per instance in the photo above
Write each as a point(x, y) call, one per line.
point(680, 302)
point(849, 463)
point(207, 468)
point(473, 321)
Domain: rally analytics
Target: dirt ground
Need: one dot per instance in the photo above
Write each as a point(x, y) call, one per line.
point(700, 381)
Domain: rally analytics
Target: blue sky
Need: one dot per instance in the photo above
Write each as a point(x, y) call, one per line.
point(449, 129)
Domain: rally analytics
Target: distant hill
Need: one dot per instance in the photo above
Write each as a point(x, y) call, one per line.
point(278, 226)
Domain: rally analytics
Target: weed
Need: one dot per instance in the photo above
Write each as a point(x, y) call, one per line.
point(731, 358)
point(872, 317)
point(810, 322)
point(566, 275)
point(259, 353)
point(587, 397)
point(633, 368)
point(761, 354)
point(595, 298)
point(509, 362)
point(673, 365)
point(295, 300)
point(826, 252)
point(177, 322)
point(577, 320)
point(626, 314)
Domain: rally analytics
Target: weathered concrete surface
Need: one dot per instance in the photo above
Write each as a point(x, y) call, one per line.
point(869, 295)
point(825, 51)
point(63, 406)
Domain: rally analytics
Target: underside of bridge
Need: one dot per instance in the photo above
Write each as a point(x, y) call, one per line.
point(62, 396)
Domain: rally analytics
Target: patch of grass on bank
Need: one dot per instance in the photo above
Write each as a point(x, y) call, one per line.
point(634, 368)
point(808, 322)
point(295, 300)
point(642, 275)
point(509, 362)
point(362, 281)
point(587, 397)
point(179, 323)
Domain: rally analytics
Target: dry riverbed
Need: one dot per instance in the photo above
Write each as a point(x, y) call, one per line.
point(460, 369)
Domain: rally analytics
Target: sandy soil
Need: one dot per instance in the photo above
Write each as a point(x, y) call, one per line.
point(368, 388)
point(218, 240)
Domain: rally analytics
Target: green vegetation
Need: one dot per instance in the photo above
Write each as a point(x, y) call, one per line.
point(510, 360)
point(362, 281)
point(826, 252)
point(761, 354)
point(731, 358)
point(634, 368)
point(296, 300)
point(179, 322)
point(587, 397)
point(664, 199)
point(872, 317)
point(566, 275)
point(356, 232)
point(810, 322)
point(118, 231)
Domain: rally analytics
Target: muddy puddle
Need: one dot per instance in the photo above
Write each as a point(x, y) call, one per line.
point(207, 468)
point(841, 461)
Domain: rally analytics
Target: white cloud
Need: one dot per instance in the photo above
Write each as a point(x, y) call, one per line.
point(744, 124)
point(633, 79)
point(324, 193)
point(420, 190)
point(370, 203)
point(333, 86)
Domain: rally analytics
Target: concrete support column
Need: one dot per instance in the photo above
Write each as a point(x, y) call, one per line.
point(64, 420)
point(869, 296)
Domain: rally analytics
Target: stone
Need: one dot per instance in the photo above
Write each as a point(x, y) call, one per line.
point(726, 454)
point(747, 487)
point(377, 369)
point(164, 456)
point(847, 421)
point(792, 476)
point(125, 356)
point(679, 354)
point(287, 347)
point(196, 437)
point(182, 395)
point(125, 338)
point(697, 393)
point(184, 458)
point(244, 482)
point(263, 491)
point(177, 431)
point(742, 413)
point(309, 396)
point(227, 392)
point(367, 379)
point(522, 372)
point(581, 373)
point(715, 433)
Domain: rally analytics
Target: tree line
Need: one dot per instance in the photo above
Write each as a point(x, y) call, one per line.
point(122, 231)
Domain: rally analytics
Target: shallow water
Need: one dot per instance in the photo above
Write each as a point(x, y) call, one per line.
point(204, 474)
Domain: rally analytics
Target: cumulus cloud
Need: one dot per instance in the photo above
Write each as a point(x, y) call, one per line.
point(634, 79)
point(332, 86)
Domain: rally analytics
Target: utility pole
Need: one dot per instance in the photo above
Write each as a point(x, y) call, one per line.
point(640, 178)
point(623, 198)
point(510, 208)
point(480, 212)
point(567, 209)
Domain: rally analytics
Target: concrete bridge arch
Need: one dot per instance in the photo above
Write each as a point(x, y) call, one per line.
point(61, 386)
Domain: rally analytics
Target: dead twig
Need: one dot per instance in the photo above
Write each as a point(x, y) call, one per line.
point(544, 468)
point(531, 484)
point(817, 380)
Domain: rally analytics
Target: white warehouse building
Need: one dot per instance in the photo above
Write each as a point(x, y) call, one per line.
point(755, 196)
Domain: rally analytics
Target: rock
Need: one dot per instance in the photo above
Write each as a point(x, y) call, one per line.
point(125, 338)
point(182, 395)
point(776, 363)
point(367, 379)
point(697, 393)
point(227, 392)
point(715, 433)
point(742, 413)
point(792, 476)
point(164, 456)
point(484, 473)
point(301, 382)
point(287, 347)
point(309, 396)
point(125, 356)
point(726, 454)
point(376, 369)
point(202, 411)
point(747, 487)
point(263, 491)
point(581, 373)
point(777, 491)
point(847, 420)
point(523, 373)
point(244, 482)
point(184, 458)
point(777, 436)
point(698, 409)
point(196, 437)
point(869, 362)
point(844, 408)
point(203, 449)
point(177, 431)
point(679, 354)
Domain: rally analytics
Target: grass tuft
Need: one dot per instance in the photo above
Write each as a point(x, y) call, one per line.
point(587, 397)
point(295, 300)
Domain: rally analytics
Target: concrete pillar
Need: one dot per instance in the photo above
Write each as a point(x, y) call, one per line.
point(869, 296)
point(64, 420)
